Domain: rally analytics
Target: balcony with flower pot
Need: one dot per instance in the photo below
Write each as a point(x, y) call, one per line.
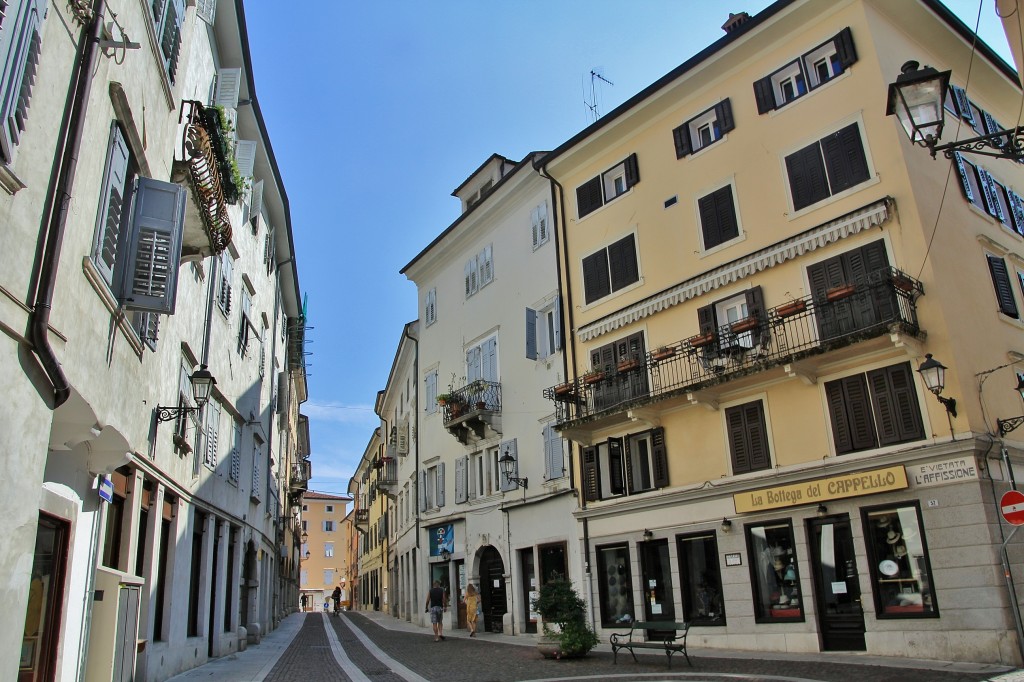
point(386, 474)
point(876, 312)
point(473, 412)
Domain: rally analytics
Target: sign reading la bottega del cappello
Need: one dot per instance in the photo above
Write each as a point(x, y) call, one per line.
point(822, 489)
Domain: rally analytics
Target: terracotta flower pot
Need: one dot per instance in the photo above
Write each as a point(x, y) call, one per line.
point(627, 365)
point(701, 339)
point(593, 377)
point(839, 293)
point(746, 324)
point(664, 353)
point(791, 308)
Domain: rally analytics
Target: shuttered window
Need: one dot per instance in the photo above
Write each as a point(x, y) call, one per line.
point(609, 185)
point(226, 277)
point(110, 219)
point(20, 44)
point(718, 217)
point(813, 69)
point(212, 433)
point(539, 224)
point(748, 437)
point(610, 269)
point(636, 463)
point(704, 129)
point(853, 427)
point(147, 326)
point(150, 281)
point(831, 165)
point(430, 307)
point(1001, 282)
point(167, 18)
point(874, 409)
point(554, 453)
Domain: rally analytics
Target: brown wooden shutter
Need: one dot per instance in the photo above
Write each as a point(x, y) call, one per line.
point(895, 403)
point(681, 137)
point(659, 458)
point(596, 281)
point(706, 319)
point(757, 435)
point(845, 49)
point(853, 427)
point(841, 433)
point(723, 114)
point(591, 475)
point(764, 95)
point(632, 171)
point(589, 197)
point(627, 461)
point(615, 482)
point(1001, 281)
point(844, 157)
point(622, 262)
point(807, 181)
point(737, 440)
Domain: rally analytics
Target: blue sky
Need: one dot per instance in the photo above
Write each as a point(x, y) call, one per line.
point(378, 110)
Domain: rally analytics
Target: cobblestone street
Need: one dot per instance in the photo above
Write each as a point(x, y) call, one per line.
point(360, 647)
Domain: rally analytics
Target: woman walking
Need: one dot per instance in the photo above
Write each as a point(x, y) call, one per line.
point(472, 606)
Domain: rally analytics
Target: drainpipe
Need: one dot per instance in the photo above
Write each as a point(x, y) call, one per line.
point(562, 259)
point(57, 203)
point(416, 446)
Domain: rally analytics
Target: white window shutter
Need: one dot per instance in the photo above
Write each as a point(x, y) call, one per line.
point(468, 276)
point(430, 307)
point(558, 324)
point(486, 266)
point(508, 446)
point(440, 485)
point(531, 333)
point(542, 220)
point(206, 10)
point(245, 157)
point(212, 432)
point(535, 226)
point(430, 393)
point(229, 81)
point(490, 359)
point(460, 479)
point(256, 202)
point(422, 491)
point(150, 280)
point(555, 450)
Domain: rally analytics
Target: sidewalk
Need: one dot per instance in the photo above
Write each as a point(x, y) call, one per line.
point(251, 665)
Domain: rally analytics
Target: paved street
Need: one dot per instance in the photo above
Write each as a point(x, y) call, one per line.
point(359, 647)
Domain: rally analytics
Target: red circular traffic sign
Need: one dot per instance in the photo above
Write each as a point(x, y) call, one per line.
point(1011, 506)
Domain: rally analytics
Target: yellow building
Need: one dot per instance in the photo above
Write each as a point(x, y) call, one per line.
point(324, 564)
point(756, 261)
point(375, 475)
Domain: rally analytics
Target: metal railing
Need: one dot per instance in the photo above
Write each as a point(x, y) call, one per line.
point(875, 305)
point(203, 151)
point(477, 396)
point(387, 471)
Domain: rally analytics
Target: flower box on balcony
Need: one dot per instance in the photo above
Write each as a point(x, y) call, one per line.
point(744, 325)
point(903, 283)
point(564, 389)
point(791, 308)
point(663, 353)
point(481, 405)
point(839, 293)
point(627, 365)
point(701, 340)
point(593, 377)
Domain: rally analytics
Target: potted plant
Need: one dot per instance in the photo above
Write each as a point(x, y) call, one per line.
point(663, 353)
point(791, 308)
point(593, 376)
point(840, 292)
point(744, 325)
point(443, 399)
point(561, 607)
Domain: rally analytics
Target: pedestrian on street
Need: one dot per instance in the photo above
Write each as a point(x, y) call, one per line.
point(472, 605)
point(305, 598)
point(336, 596)
point(437, 602)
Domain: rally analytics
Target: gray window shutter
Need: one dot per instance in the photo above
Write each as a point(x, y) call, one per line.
point(256, 203)
point(589, 196)
point(508, 446)
point(964, 182)
point(554, 450)
point(558, 323)
point(531, 334)
point(150, 279)
point(228, 83)
point(461, 467)
point(1016, 210)
point(723, 115)
point(224, 295)
point(440, 485)
point(963, 104)
point(468, 277)
point(659, 458)
point(245, 157)
point(423, 491)
point(111, 213)
point(212, 432)
point(206, 10)
point(20, 38)
point(490, 359)
point(845, 48)
point(591, 482)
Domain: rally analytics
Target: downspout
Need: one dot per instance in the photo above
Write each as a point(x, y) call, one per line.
point(57, 204)
point(561, 258)
point(416, 445)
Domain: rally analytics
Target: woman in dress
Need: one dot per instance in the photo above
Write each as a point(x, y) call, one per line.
point(472, 605)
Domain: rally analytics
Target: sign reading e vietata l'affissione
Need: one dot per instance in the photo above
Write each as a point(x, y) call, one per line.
point(940, 473)
point(819, 490)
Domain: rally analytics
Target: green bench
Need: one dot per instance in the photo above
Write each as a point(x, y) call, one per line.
point(660, 635)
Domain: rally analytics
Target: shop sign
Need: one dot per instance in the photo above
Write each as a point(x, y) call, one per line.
point(940, 473)
point(822, 489)
point(442, 539)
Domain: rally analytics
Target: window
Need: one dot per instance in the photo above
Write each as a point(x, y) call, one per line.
point(703, 129)
point(610, 269)
point(899, 562)
point(539, 225)
point(719, 319)
point(554, 453)
point(701, 580)
point(982, 189)
point(246, 324)
point(774, 573)
point(167, 18)
point(543, 331)
point(328, 549)
point(615, 585)
point(139, 227)
point(236, 455)
point(625, 466)
point(305, 507)
point(748, 437)
point(870, 304)
point(623, 376)
point(479, 271)
point(328, 576)
point(430, 307)
point(147, 326)
point(877, 408)
point(482, 360)
point(329, 508)
point(827, 167)
point(430, 392)
point(477, 476)
point(814, 68)
point(227, 265)
point(1001, 282)
point(212, 413)
point(328, 526)
point(432, 487)
point(20, 37)
point(718, 221)
point(610, 185)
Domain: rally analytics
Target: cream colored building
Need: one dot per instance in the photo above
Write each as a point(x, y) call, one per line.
point(325, 538)
point(131, 257)
point(757, 262)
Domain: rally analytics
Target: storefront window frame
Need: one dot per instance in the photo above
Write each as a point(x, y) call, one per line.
point(684, 587)
point(874, 560)
point(626, 575)
point(759, 615)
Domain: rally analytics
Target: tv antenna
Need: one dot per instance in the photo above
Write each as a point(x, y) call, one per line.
point(592, 104)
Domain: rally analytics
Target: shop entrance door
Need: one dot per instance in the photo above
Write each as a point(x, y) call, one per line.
point(836, 584)
point(492, 590)
point(656, 583)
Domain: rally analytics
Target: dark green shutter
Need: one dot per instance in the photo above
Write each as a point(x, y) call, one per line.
point(807, 180)
point(627, 461)
point(757, 436)
point(963, 104)
point(681, 137)
point(844, 157)
point(723, 114)
point(531, 334)
point(659, 458)
point(632, 171)
point(706, 319)
point(845, 49)
point(615, 482)
point(895, 404)
point(1001, 281)
point(764, 95)
point(591, 480)
point(622, 262)
point(596, 283)
point(737, 440)
point(589, 197)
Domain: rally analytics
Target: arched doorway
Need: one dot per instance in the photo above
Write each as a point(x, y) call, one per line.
point(492, 589)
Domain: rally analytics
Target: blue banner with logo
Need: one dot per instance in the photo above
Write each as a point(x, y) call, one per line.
point(442, 539)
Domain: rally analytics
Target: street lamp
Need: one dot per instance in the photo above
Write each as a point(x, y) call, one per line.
point(508, 467)
point(1011, 423)
point(933, 373)
point(918, 97)
point(202, 385)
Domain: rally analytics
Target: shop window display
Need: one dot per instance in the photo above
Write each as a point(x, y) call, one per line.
point(701, 580)
point(774, 573)
point(900, 569)
point(616, 585)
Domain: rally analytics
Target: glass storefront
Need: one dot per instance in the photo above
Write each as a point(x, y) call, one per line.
point(898, 558)
point(773, 573)
point(616, 585)
point(656, 580)
point(701, 580)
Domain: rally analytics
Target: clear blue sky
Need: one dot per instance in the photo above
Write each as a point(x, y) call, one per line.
point(378, 110)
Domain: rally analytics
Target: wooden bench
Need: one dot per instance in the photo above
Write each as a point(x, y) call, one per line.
point(640, 636)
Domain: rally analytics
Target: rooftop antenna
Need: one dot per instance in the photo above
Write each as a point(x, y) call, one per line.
point(592, 104)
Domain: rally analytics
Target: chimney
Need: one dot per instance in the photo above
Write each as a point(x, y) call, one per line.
point(735, 21)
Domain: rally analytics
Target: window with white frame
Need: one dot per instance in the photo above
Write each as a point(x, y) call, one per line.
point(329, 508)
point(703, 129)
point(328, 576)
point(495, 480)
point(328, 549)
point(246, 323)
point(613, 183)
point(813, 69)
point(543, 331)
point(328, 526)
point(477, 476)
point(482, 360)
point(628, 465)
point(539, 224)
point(718, 220)
point(430, 307)
point(432, 487)
point(167, 19)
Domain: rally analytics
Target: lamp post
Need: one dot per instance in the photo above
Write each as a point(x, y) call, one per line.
point(508, 468)
point(917, 99)
point(933, 373)
point(202, 385)
point(1010, 423)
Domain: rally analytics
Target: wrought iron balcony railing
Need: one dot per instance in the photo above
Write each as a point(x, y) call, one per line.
point(877, 304)
point(386, 472)
point(477, 396)
point(302, 471)
point(203, 149)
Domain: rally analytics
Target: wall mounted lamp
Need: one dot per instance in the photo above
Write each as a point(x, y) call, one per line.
point(508, 467)
point(1011, 423)
point(933, 373)
point(202, 385)
point(647, 535)
point(822, 510)
point(726, 525)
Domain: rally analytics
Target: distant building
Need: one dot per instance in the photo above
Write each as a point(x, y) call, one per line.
point(325, 539)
